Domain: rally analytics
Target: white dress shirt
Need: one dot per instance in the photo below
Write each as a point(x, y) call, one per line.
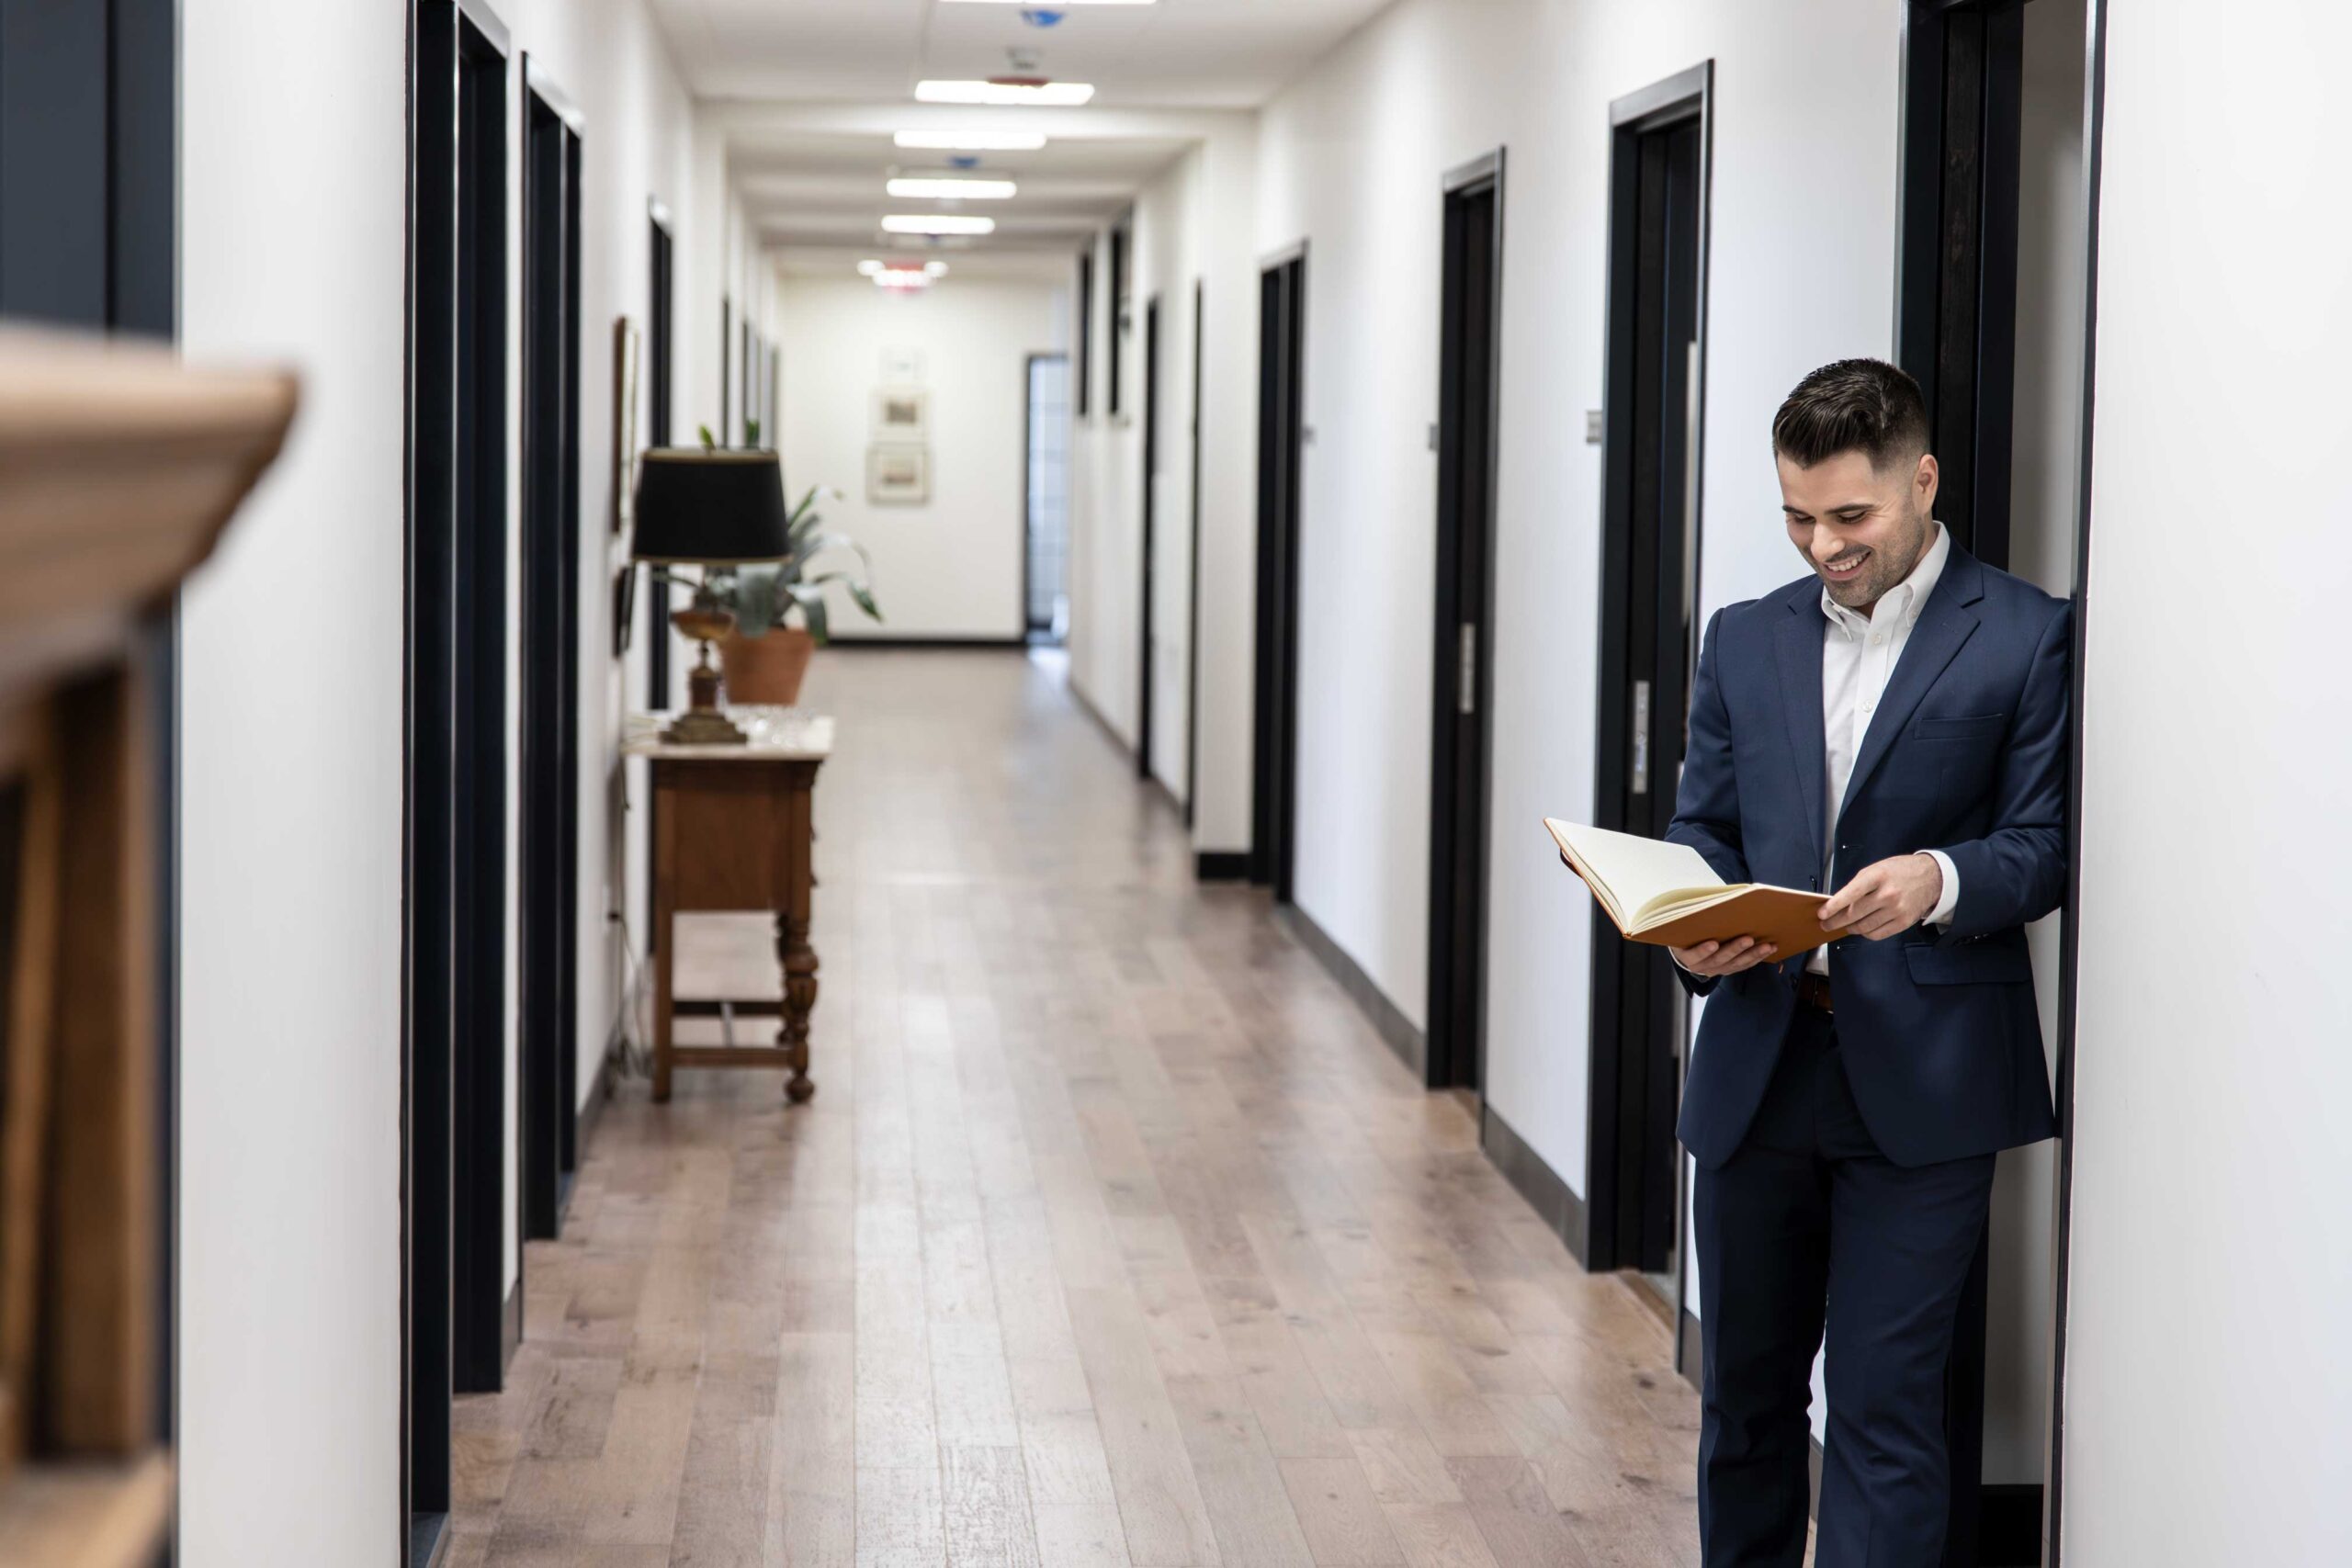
point(1858, 655)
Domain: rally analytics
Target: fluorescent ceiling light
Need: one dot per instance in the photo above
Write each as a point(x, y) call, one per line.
point(931, 188)
point(937, 223)
point(869, 268)
point(1051, 94)
point(902, 277)
point(970, 141)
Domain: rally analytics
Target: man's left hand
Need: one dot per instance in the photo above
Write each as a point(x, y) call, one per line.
point(1890, 897)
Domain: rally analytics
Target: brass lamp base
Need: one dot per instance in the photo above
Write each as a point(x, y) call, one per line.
point(703, 727)
point(701, 724)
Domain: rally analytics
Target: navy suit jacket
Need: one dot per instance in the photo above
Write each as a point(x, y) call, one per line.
point(1967, 754)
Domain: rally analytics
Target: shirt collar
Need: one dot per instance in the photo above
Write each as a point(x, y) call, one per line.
point(1901, 602)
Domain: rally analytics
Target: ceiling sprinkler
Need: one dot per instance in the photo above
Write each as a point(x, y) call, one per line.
point(1039, 16)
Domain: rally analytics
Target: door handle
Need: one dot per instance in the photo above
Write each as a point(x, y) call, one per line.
point(1641, 784)
point(1466, 684)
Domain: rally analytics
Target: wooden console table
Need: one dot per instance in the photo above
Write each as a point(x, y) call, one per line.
point(732, 832)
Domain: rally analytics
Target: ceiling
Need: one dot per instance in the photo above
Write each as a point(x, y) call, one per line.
point(812, 179)
point(1174, 53)
point(817, 187)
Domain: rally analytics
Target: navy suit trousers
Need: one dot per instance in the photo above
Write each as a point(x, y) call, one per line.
point(1807, 1218)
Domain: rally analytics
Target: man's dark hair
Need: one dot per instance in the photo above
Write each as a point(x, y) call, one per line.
point(1854, 405)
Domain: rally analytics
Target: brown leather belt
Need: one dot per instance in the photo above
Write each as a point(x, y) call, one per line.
point(1813, 990)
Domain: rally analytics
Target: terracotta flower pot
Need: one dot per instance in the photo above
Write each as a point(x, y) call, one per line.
point(766, 670)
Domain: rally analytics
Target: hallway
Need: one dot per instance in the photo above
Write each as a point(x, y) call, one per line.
point(1113, 1233)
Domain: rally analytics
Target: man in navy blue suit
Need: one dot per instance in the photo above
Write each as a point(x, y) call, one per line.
point(1891, 728)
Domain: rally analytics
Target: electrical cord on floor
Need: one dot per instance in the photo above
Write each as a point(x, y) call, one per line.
point(624, 1045)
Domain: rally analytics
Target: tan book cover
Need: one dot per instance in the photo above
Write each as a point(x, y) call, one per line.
point(1666, 895)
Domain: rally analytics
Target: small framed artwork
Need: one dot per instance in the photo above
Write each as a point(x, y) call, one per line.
point(897, 476)
point(623, 425)
point(901, 413)
point(624, 606)
point(901, 365)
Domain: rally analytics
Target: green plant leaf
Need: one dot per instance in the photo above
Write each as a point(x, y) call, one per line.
point(811, 600)
point(709, 442)
point(857, 590)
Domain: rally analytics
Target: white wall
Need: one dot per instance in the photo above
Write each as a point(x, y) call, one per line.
point(954, 567)
point(2206, 1367)
point(293, 165)
point(1106, 645)
point(292, 247)
point(1353, 153)
point(1191, 224)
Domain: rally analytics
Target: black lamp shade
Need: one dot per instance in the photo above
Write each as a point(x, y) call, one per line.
point(714, 506)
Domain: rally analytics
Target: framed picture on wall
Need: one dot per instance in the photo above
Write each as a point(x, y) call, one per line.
point(897, 476)
point(623, 425)
point(901, 414)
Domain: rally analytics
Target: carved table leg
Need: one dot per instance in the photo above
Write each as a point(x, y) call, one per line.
point(799, 962)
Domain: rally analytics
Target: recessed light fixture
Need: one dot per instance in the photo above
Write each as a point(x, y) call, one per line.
point(936, 268)
point(1049, 95)
point(869, 268)
point(937, 223)
point(933, 188)
point(970, 141)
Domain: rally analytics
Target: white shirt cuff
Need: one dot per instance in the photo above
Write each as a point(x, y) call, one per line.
point(1949, 898)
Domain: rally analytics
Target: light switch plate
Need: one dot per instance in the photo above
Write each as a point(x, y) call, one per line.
point(1592, 427)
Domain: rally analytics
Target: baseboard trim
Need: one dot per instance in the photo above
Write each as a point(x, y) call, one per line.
point(966, 644)
point(600, 1091)
point(1392, 1026)
point(1553, 1201)
point(1086, 706)
point(428, 1539)
point(1221, 865)
point(510, 1322)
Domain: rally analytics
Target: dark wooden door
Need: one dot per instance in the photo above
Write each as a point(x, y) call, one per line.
point(1281, 447)
point(1463, 643)
point(1649, 578)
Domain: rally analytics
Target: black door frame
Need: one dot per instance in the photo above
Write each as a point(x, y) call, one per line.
point(1630, 1116)
point(1956, 260)
point(1956, 298)
point(484, 726)
point(1145, 671)
point(1282, 451)
point(453, 1233)
point(2094, 148)
point(548, 820)
point(429, 859)
point(1193, 592)
point(1462, 679)
point(660, 326)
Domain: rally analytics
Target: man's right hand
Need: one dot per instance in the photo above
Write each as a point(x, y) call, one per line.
point(1712, 959)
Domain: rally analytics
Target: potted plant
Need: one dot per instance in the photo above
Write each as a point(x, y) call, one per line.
point(765, 659)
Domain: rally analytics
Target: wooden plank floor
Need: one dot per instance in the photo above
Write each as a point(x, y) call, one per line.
point(1113, 1234)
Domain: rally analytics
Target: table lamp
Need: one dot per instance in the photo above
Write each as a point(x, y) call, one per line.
point(708, 508)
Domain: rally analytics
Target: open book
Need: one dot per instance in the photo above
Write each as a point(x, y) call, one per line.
point(1665, 894)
